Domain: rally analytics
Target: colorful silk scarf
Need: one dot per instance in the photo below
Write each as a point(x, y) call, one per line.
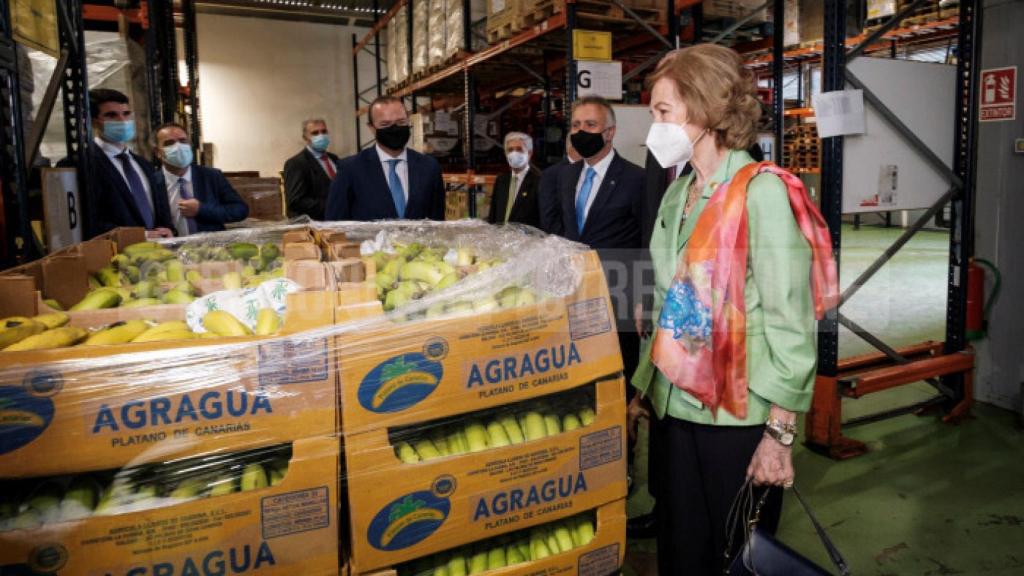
point(700, 341)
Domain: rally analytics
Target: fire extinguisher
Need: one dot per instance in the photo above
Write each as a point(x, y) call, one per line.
point(978, 305)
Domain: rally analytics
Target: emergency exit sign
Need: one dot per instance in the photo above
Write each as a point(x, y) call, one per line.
point(999, 94)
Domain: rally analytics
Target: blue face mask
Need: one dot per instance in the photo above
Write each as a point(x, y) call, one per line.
point(178, 155)
point(118, 131)
point(320, 142)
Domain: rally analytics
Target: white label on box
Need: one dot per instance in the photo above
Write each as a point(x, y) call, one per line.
point(839, 113)
point(599, 79)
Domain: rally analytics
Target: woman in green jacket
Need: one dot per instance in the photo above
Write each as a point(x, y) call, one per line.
point(725, 412)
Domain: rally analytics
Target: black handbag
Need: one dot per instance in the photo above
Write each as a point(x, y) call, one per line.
point(762, 554)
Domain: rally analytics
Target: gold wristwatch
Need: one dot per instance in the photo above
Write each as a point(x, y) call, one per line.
point(782, 432)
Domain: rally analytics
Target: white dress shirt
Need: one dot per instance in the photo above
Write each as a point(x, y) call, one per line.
point(112, 151)
point(600, 168)
point(174, 196)
point(402, 168)
point(324, 155)
point(519, 182)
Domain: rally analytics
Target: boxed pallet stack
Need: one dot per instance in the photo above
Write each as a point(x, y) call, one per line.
point(455, 29)
point(501, 19)
point(736, 9)
point(391, 51)
point(481, 399)
point(802, 149)
point(140, 446)
point(420, 36)
point(401, 25)
point(437, 39)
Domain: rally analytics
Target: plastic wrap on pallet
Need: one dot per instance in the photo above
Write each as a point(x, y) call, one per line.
point(123, 452)
point(437, 40)
point(420, 35)
point(392, 67)
point(736, 9)
point(400, 22)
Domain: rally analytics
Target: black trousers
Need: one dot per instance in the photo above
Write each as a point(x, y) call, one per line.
point(696, 472)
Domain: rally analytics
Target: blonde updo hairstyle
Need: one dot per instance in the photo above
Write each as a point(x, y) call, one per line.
point(718, 91)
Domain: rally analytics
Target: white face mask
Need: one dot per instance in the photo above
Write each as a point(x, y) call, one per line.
point(670, 144)
point(518, 160)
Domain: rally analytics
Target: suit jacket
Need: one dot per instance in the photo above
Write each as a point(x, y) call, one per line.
point(549, 197)
point(656, 183)
point(525, 210)
point(109, 202)
point(612, 227)
point(218, 201)
point(306, 184)
point(361, 192)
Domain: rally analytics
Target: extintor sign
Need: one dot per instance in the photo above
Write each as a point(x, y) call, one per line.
point(998, 94)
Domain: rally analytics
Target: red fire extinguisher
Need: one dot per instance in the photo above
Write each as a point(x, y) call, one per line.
point(977, 307)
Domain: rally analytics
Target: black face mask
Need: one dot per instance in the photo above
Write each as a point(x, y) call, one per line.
point(394, 137)
point(587, 143)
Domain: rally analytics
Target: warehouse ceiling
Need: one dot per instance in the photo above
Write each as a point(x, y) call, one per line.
point(341, 12)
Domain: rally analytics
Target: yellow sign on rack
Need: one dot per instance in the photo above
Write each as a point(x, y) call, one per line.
point(34, 23)
point(591, 45)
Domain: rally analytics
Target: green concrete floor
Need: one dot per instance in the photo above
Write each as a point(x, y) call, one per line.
point(929, 498)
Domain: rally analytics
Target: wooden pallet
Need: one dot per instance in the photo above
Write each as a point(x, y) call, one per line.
point(501, 32)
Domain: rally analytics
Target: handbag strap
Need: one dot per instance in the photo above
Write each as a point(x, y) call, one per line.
point(833, 552)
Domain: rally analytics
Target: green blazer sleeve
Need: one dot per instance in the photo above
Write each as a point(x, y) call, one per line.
point(780, 320)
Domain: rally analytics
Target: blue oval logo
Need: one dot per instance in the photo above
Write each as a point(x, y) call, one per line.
point(23, 417)
point(407, 521)
point(399, 383)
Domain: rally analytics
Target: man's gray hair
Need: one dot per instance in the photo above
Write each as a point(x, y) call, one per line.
point(602, 103)
point(308, 121)
point(527, 141)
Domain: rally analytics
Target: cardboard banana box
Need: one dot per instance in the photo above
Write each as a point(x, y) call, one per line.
point(602, 556)
point(287, 529)
point(396, 373)
point(401, 509)
point(98, 407)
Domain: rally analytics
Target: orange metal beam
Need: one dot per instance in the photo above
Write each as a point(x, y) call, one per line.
point(871, 359)
point(893, 376)
point(93, 12)
point(381, 23)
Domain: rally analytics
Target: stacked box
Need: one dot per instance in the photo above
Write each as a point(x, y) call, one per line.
point(415, 374)
point(735, 9)
point(437, 34)
point(400, 23)
point(290, 527)
point(599, 556)
point(455, 29)
point(390, 47)
point(501, 18)
point(420, 35)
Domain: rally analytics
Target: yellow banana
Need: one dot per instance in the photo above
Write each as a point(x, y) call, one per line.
point(56, 338)
point(52, 320)
point(177, 297)
point(98, 299)
point(108, 277)
point(138, 248)
point(52, 303)
point(141, 302)
point(254, 477)
point(165, 335)
point(118, 333)
point(267, 322)
point(231, 280)
point(17, 328)
point(168, 326)
point(175, 271)
point(224, 324)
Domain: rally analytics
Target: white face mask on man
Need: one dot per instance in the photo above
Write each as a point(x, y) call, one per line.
point(518, 160)
point(670, 144)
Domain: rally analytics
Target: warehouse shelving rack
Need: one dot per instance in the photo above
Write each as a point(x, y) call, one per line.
point(947, 366)
point(637, 41)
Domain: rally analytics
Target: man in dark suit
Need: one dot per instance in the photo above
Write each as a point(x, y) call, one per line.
point(118, 191)
point(308, 174)
point(602, 207)
point(200, 199)
point(548, 196)
point(515, 193)
point(388, 180)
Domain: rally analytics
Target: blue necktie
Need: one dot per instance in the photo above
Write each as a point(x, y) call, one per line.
point(581, 200)
point(137, 189)
point(184, 194)
point(395, 184)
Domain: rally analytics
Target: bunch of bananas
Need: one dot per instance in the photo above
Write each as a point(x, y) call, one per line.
point(508, 550)
point(414, 270)
point(506, 426)
point(31, 503)
point(49, 331)
point(148, 274)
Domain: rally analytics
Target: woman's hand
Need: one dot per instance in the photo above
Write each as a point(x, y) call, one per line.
point(638, 320)
point(772, 464)
point(639, 408)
